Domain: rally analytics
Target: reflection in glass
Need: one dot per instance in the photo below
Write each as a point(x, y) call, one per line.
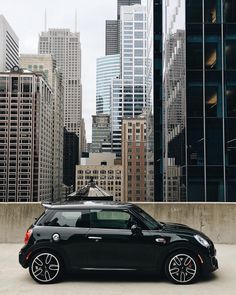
point(194, 60)
point(230, 50)
point(230, 11)
point(194, 11)
point(211, 56)
point(212, 9)
point(215, 184)
point(231, 101)
point(214, 141)
point(213, 102)
point(230, 144)
point(194, 101)
point(195, 139)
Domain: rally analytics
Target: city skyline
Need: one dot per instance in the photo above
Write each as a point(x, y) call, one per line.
point(91, 27)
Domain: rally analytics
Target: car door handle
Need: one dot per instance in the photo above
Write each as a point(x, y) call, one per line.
point(160, 240)
point(95, 238)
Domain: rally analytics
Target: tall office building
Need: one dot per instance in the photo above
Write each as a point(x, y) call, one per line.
point(129, 92)
point(199, 145)
point(125, 3)
point(66, 49)
point(101, 132)
point(70, 158)
point(9, 46)
point(108, 67)
point(45, 64)
point(113, 28)
point(134, 159)
point(112, 37)
point(26, 153)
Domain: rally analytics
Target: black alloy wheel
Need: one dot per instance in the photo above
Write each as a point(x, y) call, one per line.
point(182, 267)
point(46, 267)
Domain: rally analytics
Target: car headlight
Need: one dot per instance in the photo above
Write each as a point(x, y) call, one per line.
point(202, 241)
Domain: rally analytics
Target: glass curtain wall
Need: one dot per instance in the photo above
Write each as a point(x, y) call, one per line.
point(174, 97)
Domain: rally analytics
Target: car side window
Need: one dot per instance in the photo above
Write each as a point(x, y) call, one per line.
point(112, 219)
point(70, 218)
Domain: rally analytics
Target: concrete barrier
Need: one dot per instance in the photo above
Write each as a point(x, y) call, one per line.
point(217, 220)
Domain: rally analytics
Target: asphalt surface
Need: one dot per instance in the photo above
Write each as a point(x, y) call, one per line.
point(14, 280)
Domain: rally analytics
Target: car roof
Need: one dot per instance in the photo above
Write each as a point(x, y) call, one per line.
point(87, 205)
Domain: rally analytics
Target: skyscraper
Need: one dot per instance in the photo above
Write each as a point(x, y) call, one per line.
point(108, 67)
point(199, 144)
point(112, 37)
point(9, 46)
point(71, 158)
point(26, 152)
point(65, 48)
point(101, 132)
point(113, 28)
point(129, 91)
point(45, 64)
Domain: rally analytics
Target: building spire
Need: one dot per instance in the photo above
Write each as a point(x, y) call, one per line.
point(45, 20)
point(75, 20)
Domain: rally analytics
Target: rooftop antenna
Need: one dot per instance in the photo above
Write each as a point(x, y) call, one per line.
point(45, 20)
point(75, 20)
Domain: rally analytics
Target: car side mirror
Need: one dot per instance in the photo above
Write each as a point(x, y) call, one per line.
point(136, 230)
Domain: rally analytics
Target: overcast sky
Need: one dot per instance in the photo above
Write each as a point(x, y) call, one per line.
point(26, 17)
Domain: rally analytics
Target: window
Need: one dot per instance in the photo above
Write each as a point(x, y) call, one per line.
point(113, 219)
point(69, 219)
point(194, 11)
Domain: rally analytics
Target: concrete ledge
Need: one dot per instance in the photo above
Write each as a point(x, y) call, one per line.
point(217, 220)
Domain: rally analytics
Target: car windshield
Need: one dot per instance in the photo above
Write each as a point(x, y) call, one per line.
point(151, 222)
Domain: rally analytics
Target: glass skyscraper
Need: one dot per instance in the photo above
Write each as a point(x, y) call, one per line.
point(197, 131)
point(108, 67)
point(129, 92)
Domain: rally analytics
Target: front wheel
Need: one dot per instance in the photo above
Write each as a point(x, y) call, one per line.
point(46, 267)
point(182, 267)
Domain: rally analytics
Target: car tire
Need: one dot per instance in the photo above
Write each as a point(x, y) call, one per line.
point(46, 267)
point(182, 267)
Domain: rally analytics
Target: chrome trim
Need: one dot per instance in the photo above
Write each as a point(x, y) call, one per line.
point(95, 238)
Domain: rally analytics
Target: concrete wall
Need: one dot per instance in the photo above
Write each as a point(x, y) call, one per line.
point(217, 220)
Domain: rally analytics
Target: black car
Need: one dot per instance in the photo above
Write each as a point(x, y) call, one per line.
point(113, 236)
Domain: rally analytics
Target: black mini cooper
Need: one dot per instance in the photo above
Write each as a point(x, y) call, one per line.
point(113, 236)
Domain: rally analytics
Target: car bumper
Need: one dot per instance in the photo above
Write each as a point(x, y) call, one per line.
point(23, 259)
point(210, 262)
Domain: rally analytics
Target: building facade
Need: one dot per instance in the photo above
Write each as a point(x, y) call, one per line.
point(45, 64)
point(101, 132)
point(26, 172)
point(201, 145)
point(70, 158)
point(112, 37)
point(104, 170)
point(134, 159)
point(107, 68)
point(9, 46)
point(112, 45)
point(129, 97)
point(66, 50)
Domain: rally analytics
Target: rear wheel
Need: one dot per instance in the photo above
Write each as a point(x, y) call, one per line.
point(46, 267)
point(182, 267)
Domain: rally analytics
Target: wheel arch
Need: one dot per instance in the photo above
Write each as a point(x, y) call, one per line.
point(50, 249)
point(176, 247)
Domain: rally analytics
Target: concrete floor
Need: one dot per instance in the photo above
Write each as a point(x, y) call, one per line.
point(14, 280)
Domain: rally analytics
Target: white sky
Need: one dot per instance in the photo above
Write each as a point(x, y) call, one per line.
point(26, 17)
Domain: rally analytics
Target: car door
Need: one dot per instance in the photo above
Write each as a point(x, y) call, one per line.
point(72, 226)
point(113, 245)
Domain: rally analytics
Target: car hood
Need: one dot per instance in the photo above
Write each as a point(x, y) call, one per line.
point(181, 229)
